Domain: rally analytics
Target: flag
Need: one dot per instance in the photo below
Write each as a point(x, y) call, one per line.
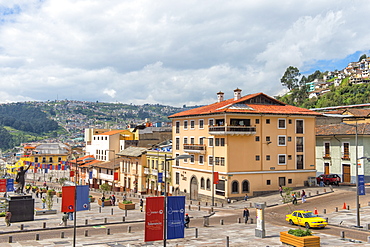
point(72, 174)
point(175, 217)
point(46, 170)
point(215, 178)
point(154, 218)
point(90, 175)
point(116, 176)
point(68, 199)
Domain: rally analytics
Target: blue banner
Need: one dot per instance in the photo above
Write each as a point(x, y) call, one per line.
point(160, 177)
point(82, 197)
point(175, 217)
point(361, 185)
point(9, 185)
point(90, 175)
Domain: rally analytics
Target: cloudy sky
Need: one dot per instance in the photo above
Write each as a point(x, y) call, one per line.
point(170, 52)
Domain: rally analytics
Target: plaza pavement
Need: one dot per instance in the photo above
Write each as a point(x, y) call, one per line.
point(237, 234)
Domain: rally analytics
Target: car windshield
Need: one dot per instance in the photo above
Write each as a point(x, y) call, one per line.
point(309, 215)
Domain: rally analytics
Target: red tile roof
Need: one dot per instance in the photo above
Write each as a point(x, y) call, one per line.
point(342, 129)
point(112, 132)
point(239, 106)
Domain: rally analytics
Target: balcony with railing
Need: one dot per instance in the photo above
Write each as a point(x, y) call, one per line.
point(326, 155)
point(345, 156)
point(195, 148)
point(232, 130)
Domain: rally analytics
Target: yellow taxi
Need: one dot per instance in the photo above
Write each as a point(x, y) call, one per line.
point(306, 219)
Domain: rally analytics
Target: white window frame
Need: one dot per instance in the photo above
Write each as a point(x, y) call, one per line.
point(193, 157)
point(278, 140)
point(211, 119)
point(177, 176)
point(281, 119)
point(192, 122)
point(213, 141)
point(201, 139)
point(296, 126)
point(187, 140)
point(281, 164)
point(201, 163)
point(186, 124)
point(209, 163)
point(200, 125)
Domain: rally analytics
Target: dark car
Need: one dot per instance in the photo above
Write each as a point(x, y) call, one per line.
point(329, 179)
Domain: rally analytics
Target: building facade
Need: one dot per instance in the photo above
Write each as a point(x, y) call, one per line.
point(254, 143)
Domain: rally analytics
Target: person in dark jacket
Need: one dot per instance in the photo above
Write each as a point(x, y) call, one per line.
point(187, 221)
point(246, 215)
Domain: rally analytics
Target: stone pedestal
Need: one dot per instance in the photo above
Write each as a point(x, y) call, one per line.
point(22, 208)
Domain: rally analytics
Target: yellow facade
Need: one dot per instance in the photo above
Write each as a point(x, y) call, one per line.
point(155, 162)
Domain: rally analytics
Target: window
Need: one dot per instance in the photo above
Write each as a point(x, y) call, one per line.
point(177, 178)
point(217, 161)
point(282, 159)
point(257, 157)
point(210, 142)
point(289, 138)
point(234, 187)
point(210, 160)
point(245, 186)
point(289, 157)
point(290, 180)
point(36, 159)
point(257, 121)
point(220, 142)
point(220, 188)
point(185, 140)
point(59, 159)
point(201, 124)
point(289, 121)
point(177, 161)
point(281, 124)
point(192, 140)
point(192, 158)
point(327, 149)
point(208, 184)
point(192, 124)
point(43, 159)
point(210, 122)
point(222, 161)
point(281, 140)
point(201, 140)
point(50, 159)
point(257, 138)
point(268, 157)
point(268, 138)
point(201, 159)
point(299, 144)
point(177, 144)
point(152, 164)
point(185, 124)
point(177, 127)
point(268, 182)
point(217, 142)
point(267, 121)
point(299, 126)
point(345, 154)
point(202, 183)
point(300, 164)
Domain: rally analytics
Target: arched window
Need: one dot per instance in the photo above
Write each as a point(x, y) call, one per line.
point(208, 184)
point(245, 186)
point(235, 187)
point(202, 183)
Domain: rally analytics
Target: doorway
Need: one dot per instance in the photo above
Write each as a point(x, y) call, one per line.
point(281, 181)
point(193, 189)
point(346, 173)
point(326, 168)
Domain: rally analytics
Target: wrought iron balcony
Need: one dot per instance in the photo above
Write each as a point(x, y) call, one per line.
point(232, 130)
point(345, 156)
point(326, 155)
point(195, 148)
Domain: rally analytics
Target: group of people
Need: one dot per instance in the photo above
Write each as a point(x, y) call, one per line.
point(112, 199)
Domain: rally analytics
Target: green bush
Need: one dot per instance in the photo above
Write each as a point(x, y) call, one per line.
point(300, 232)
point(126, 202)
point(2, 214)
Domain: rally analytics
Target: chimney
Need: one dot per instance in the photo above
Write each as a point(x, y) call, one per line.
point(220, 97)
point(237, 93)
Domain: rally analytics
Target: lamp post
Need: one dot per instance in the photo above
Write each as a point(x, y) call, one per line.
point(213, 169)
point(74, 209)
point(183, 156)
point(114, 163)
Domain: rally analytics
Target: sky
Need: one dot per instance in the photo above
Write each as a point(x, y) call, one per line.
point(170, 52)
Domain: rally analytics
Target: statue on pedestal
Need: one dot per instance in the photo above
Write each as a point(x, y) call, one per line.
point(20, 177)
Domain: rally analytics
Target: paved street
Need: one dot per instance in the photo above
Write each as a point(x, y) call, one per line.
point(238, 234)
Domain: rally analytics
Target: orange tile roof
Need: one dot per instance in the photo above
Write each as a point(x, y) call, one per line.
point(91, 163)
point(237, 106)
point(112, 132)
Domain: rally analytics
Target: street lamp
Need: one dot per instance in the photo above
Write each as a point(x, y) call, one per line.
point(213, 169)
point(114, 163)
point(183, 156)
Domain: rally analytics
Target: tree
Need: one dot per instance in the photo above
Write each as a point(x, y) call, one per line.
point(363, 56)
point(290, 77)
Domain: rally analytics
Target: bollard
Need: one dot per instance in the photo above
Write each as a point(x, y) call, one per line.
point(205, 221)
point(125, 212)
point(86, 221)
point(206, 204)
point(86, 233)
point(251, 221)
point(221, 222)
point(342, 235)
point(222, 204)
point(239, 220)
point(211, 209)
point(227, 241)
point(198, 203)
point(336, 209)
point(347, 207)
point(89, 206)
point(22, 226)
point(123, 219)
point(99, 209)
point(44, 225)
point(189, 207)
point(324, 211)
point(191, 202)
point(368, 227)
point(62, 235)
point(128, 229)
point(108, 231)
point(250, 204)
point(327, 219)
point(111, 211)
point(196, 232)
point(10, 239)
point(368, 203)
point(105, 220)
point(37, 237)
point(368, 239)
point(57, 200)
point(324, 190)
point(215, 204)
point(198, 208)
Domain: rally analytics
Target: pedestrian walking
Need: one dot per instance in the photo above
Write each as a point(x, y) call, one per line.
point(8, 216)
point(246, 215)
point(303, 196)
point(322, 182)
point(124, 197)
point(64, 219)
point(281, 190)
point(70, 215)
point(246, 197)
point(186, 221)
point(113, 200)
point(141, 205)
point(37, 193)
point(294, 201)
point(43, 200)
point(102, 201)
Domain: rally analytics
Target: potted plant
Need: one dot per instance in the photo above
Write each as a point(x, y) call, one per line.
point(59, 194)
point(107, 202)
point(126, 205)
point(51, 192)
point(299, 237)
point(92, 199)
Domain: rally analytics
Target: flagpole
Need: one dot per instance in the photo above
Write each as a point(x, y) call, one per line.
point(74, 210)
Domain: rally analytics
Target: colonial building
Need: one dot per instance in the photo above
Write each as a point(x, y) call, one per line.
point(254, 143)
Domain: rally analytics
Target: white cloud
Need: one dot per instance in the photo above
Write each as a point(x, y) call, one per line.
point(167, 52)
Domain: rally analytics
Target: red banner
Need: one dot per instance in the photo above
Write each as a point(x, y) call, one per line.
point(154, 218)
point(2, 185)
point(116, 176)
point(215, 178)
point(68, 199)
point(72, 174)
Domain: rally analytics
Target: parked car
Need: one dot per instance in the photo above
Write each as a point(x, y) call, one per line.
point(329, 179)
point(306, 219)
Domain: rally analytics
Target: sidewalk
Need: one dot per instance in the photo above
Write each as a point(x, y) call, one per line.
point(214, 235)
